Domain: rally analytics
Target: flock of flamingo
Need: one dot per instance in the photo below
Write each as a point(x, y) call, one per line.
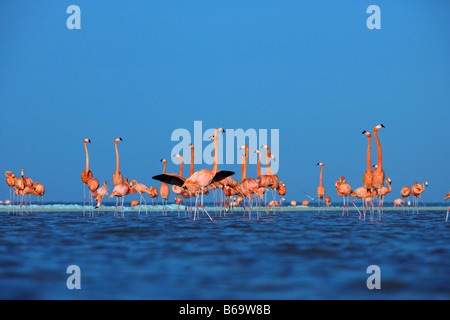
point(22, 186)
point(195, 186)
point(245, 194)
point(373, 188)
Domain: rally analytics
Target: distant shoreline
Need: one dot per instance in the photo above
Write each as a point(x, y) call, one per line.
point(174, 207)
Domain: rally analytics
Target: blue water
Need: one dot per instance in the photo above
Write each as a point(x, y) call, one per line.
point(285, 255)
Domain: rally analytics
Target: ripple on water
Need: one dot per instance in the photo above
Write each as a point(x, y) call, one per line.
point(287, 255)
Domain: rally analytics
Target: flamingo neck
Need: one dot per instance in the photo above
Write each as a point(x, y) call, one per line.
point(87, 157)
point(375, 133)
point(246, 160)
point(192, 161)
point(216, 157)
point(269, 170)
point(243, 167)
point(181, 168)
point(117, 159)
point(321, 174)
point(165, 165)
point(369, 164)
point(258, 167)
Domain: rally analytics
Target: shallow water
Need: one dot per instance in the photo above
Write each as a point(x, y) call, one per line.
point(283, 255)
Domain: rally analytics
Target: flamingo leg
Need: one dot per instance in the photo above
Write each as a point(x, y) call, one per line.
point(84, 198)
point(145, 202)
point(123, 213)
point(10, 196)
point(204, 208)
point(140, 201)
point(357, 209)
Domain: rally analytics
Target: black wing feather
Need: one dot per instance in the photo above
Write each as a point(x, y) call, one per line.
point(220, 175)
point(167, 178)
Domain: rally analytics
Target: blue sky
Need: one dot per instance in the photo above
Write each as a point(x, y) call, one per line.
point(142, 69)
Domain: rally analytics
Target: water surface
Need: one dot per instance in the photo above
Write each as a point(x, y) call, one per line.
point(283, 255)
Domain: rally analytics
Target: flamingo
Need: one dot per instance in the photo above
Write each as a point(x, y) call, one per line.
point(178, 201)
point(154, 194)
point(305, 203)
point(134, 203)
point(140, 188)
point(274, 178)
point(378, 173)
point(320, 188)
point(398, 202)
point(23, 193)
point(39, 190)
point(177, 189)
point(293, 203)
point(93, 185)
point(416, 190)
point(164, 190)
point(345, 190)
point(261, 187)
point(120, 191)
point(237, 201)
point(86, 175)
point(202, 178)
point(328, 201)
point(447, 196)
point(268, 180)
point(101, 193)
point(405, 193)
point(29, 185)
point(366, 197)
point(19, 186)
point(117, 176)
point(281, 189)
point(383, 191)
point(248, 185)
point(274, 203)
point(10, 181)
point(367, 177)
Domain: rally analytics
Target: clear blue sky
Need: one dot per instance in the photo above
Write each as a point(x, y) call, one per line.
point(141, 69)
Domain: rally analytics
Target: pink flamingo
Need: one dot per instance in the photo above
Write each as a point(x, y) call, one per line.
point(383, 191)
point(140, 188)
point(86, 175)
point(274, 203)
point(344, 190)
point(399, 203)
point(39, 190)
point(164, 190)
point(100, 194)
point(202, 178)
point(416, 190)
point(10, 181)
point(320, 188)
point(249, 185)
point(447, 196)
point(120, 191)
